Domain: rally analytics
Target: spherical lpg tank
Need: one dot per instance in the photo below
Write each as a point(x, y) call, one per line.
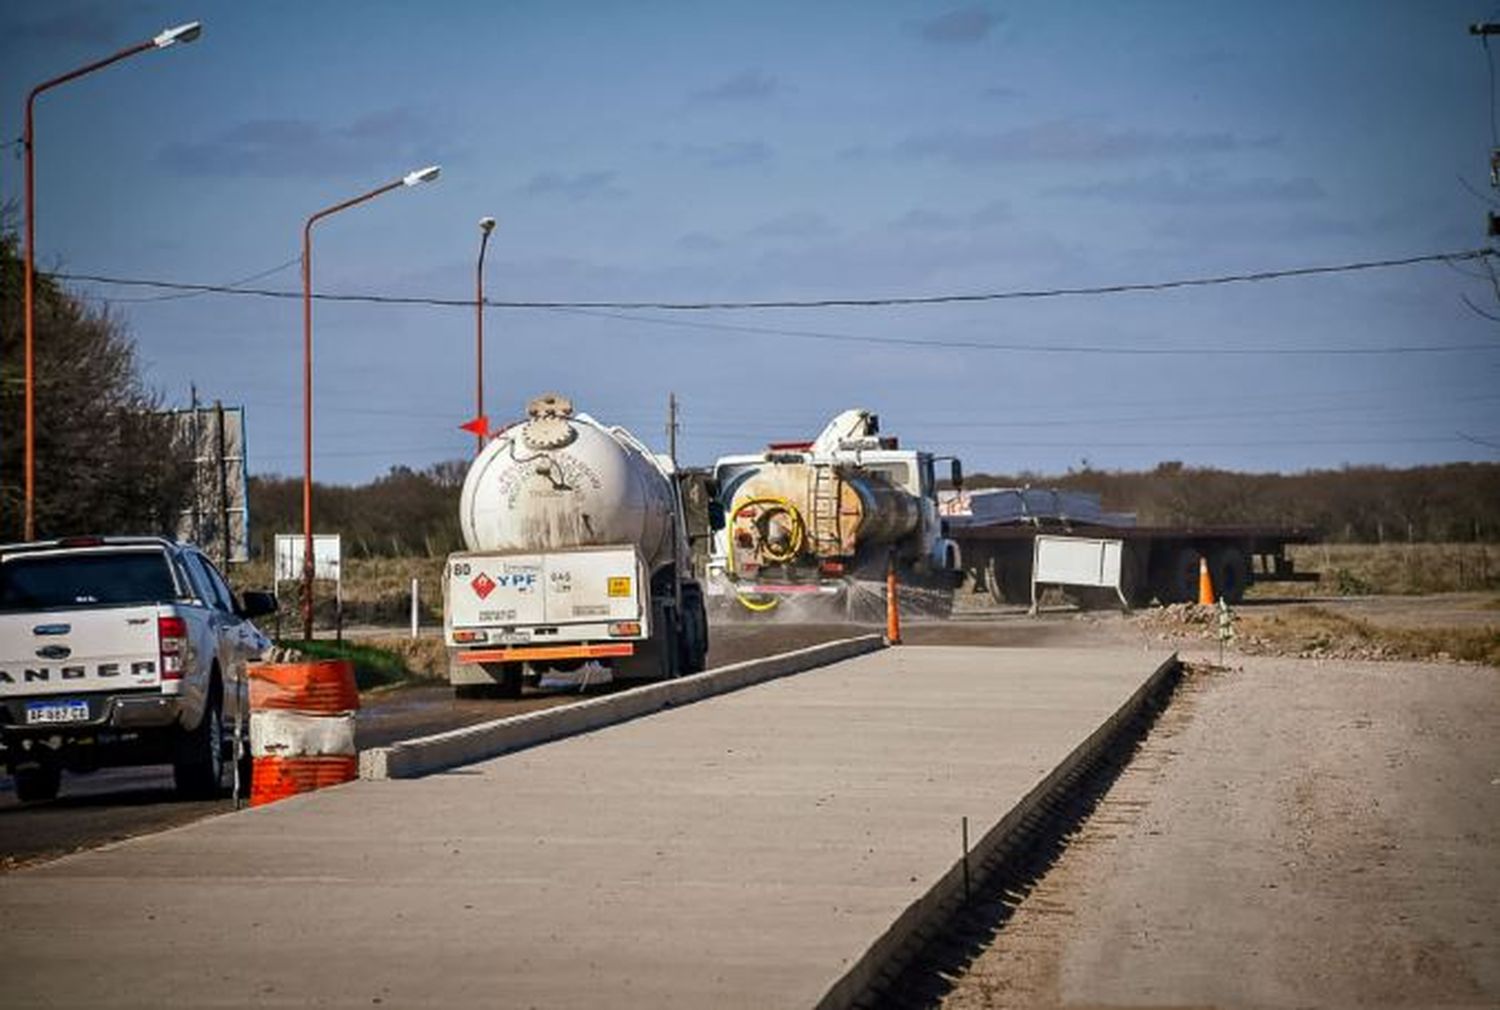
point(560, 480)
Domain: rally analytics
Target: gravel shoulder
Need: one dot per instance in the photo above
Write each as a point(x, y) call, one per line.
point(1292, 833)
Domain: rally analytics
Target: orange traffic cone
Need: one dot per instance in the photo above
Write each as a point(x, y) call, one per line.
point(892, 606)
point(1205, 584)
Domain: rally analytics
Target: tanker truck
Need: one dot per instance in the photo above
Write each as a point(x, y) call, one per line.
point(577, 554)
point(822, 520)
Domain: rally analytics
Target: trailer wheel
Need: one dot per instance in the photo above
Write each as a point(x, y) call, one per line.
point(1176, 580)
point(1008, 577)
point(1230, 571)
point(1135, 584)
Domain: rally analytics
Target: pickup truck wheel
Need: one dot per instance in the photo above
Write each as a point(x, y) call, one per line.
point(198, 764)
point(38, 781)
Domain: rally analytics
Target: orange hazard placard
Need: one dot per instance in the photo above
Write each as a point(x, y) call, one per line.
point(619, 585)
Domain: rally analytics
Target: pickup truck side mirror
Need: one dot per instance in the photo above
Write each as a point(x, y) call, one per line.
point(256, 604)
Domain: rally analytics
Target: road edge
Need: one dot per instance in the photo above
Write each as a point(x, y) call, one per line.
point(874, 971)
point(466, 745)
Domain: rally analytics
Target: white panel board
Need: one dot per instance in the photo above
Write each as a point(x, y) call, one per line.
point(1078, 561)
point(289, 555)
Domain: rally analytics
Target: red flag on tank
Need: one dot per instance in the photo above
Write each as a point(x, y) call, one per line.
point(479, 426)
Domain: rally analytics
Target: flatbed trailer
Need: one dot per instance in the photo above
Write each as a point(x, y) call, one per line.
point(1158, 562)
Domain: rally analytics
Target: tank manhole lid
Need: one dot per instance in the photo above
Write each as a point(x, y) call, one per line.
point(549, 427)
point(549, 405)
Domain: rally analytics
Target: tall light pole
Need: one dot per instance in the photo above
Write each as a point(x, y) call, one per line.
point(486, 225)
point(171, 36)
point(409, 179)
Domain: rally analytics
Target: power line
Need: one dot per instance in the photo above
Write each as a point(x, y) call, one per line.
point(597, 310)
point(814, 303)
point(1205, 350)
point(229, 286)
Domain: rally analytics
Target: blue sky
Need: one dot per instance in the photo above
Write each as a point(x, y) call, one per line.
point(664, 151)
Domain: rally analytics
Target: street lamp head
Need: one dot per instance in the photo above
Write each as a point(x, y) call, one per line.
point(182, 33)
point(486, 224)
point(421, 175)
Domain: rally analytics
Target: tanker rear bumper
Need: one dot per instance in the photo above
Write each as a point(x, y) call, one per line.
point(548, 653)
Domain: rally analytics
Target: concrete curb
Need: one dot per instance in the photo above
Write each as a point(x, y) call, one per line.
point(861, 985)
point(425, 755)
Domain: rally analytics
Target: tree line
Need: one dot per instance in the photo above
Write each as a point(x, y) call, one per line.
point(107, 459)
point(1446, 503)
point(410, 512)
point(404, 513)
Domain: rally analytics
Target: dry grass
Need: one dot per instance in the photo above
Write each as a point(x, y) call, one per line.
point(377, 591)
point(426, 658)
point(1401, 569)
point(1319, 631)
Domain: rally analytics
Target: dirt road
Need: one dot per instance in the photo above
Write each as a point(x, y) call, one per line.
point(1293, 833)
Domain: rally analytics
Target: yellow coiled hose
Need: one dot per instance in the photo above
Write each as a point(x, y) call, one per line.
point(793, 545)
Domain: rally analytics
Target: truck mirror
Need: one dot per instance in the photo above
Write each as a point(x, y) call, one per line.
point(715, 514)
point(956, 476)
point(256, 604)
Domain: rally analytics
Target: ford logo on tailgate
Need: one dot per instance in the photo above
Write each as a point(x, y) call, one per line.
point(54, 652)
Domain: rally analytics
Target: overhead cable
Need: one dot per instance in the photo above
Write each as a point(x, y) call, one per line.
point(811, 303)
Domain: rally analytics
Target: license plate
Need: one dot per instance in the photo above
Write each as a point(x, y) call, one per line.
point(511, 637)
point(56, 711)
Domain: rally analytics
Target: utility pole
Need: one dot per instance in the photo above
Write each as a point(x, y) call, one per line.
point(672, 427)
point(222, 462)
point(1484, 29)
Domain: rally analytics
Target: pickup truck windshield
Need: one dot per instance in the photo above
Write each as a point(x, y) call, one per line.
point(66, 581)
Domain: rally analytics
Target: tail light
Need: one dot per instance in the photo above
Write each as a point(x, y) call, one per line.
point(831, 568)
point(624, 629)
point(171, 632)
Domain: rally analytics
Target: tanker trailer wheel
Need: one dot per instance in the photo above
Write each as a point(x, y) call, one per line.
point(507, 682)
point(1230, 571)
point(693, 654)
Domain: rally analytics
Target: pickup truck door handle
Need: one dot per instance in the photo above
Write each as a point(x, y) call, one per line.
point(51, 629)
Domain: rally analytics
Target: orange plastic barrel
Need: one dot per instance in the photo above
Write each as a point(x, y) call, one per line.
point(301, 728)
point(321, 686)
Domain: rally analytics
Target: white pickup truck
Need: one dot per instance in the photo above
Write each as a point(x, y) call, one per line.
point(120, 651)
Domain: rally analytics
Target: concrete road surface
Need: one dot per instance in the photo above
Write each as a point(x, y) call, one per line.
point(742, 851)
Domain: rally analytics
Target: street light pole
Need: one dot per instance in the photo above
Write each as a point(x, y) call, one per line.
point(182, 33)
point(409, 179)
point(486, 225)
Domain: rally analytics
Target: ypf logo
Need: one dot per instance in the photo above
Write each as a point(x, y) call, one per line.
point(483, 585)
